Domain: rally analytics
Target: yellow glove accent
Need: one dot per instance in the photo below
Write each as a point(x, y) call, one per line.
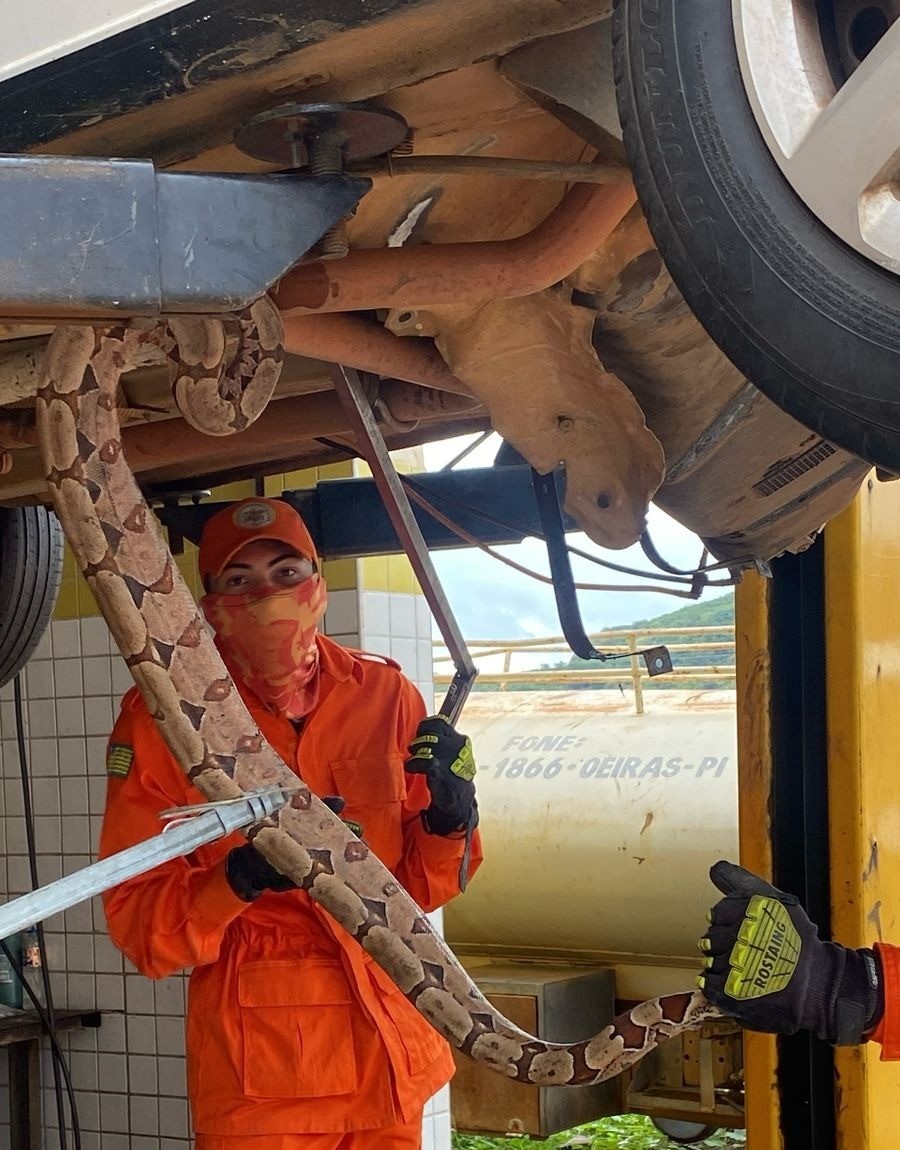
point(464, 763)
point(764, 958)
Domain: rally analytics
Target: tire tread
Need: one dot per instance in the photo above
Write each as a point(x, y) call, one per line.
point(31, 559)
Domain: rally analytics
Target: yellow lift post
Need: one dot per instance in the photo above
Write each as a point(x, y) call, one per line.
point(818, 654)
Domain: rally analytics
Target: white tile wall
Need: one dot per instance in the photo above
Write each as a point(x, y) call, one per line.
point(72, 688)
point(341, 621)
point(129, 1076)
point(399, 625)
point(436, 1125)
point(375, 614)
point(342, 617)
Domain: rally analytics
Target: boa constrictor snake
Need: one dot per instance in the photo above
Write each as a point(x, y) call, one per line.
point(164, 640)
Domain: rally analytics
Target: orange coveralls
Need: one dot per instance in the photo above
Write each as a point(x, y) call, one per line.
point(888, 1031)
point(291, 1028)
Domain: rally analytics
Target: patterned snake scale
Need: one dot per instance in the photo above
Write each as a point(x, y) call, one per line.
point(167, 646)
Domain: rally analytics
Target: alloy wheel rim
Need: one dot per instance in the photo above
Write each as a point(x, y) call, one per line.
point(836, 139)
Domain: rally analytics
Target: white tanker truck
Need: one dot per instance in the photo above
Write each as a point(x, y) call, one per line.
point(599, 827)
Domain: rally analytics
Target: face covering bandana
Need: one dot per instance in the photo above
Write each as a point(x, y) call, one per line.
point(270, 641)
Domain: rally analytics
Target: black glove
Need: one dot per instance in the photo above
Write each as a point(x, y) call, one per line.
point(766, 965)
point(249, 874)
point(444, 757)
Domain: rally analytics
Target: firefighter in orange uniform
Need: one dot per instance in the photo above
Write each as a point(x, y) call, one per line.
point(296, 1040)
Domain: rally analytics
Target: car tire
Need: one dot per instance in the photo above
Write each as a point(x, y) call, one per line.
point(811, 322)
point(684, 1133)
point(31, 559)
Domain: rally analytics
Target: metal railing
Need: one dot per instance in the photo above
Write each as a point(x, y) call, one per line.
point(503, 652)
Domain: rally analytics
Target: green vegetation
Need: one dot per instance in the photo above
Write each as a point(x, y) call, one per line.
point(713, 613)
point(626, 1132)
point(710, 613)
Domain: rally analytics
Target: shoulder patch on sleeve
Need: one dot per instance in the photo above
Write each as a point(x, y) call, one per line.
point(119, 757)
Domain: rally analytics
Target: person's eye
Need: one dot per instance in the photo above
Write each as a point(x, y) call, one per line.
point(234, 581)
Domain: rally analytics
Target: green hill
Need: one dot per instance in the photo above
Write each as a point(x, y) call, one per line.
point(711, 613)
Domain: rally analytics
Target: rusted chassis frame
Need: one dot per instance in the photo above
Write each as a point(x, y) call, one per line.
point(158, 90)
point(366, 280)
point(137, 242)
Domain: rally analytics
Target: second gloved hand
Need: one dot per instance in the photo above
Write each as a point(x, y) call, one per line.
point(766, 965)
point(444, 757)
point(249, 874)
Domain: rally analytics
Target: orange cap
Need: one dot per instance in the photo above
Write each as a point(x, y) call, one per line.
point(241, 523)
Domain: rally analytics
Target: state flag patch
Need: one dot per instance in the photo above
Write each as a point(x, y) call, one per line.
point(119, 757)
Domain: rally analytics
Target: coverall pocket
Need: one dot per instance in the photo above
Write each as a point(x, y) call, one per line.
point(422, 1044)
point(374, 788)
point(297, 1031)
point(373, 781)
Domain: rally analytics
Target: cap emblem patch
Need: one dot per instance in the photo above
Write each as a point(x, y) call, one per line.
point(252, 516)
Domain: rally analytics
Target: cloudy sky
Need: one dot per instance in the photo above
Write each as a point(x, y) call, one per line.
point(492, 601)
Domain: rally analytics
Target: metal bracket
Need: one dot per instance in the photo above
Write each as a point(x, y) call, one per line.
point(101, 239)
point(657, 660)
point(324, 136)
point(171, 499)
point(291, 134)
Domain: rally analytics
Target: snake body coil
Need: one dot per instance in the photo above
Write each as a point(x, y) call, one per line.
point(163, 639)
